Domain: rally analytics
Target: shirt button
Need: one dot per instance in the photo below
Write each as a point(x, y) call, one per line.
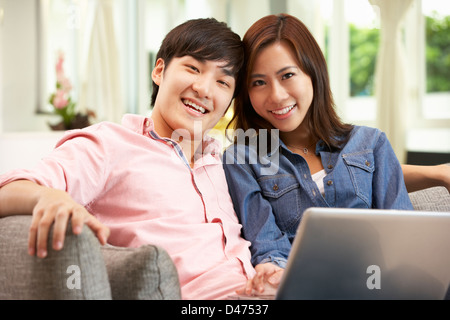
point(305, 176)
point(330, 182)
point(147, 122)
point(367, 163)
point(330, 166)
point(275, 187)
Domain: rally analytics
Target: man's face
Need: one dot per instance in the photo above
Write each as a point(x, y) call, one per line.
point(191, 92)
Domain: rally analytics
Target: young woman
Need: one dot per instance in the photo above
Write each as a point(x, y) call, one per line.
point(319, 161)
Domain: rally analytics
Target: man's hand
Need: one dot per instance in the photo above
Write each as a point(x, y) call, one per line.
point(57, 207)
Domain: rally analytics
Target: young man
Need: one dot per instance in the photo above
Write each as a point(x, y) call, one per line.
point(155, 180)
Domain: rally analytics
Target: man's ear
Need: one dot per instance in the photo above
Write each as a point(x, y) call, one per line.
point(158, 71)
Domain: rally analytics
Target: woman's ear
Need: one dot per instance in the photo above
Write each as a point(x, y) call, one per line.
point(158, 71)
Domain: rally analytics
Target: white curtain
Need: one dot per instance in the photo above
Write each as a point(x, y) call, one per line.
point(100, 79)
point(391, 74)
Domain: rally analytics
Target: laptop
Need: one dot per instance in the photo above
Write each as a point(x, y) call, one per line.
point(368, 254)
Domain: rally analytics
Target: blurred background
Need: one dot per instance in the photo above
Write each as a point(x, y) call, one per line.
point(389, 63)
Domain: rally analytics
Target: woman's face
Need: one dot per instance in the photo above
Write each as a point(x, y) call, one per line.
point(279, 90)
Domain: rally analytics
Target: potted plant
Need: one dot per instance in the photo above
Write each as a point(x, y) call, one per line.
point(62, 102)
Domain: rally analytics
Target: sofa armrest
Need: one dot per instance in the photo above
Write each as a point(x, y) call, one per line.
point(76, 272)
point(144, 273)
point(431, 199)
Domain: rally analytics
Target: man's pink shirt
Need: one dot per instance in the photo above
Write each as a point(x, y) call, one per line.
point(143, 189)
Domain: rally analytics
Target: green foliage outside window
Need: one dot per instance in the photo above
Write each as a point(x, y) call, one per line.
point(438, 53)
point(364, 43)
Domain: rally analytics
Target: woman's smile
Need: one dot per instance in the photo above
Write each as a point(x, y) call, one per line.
point(284, 113)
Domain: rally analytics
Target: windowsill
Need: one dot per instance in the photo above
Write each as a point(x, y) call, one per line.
point(429, 140)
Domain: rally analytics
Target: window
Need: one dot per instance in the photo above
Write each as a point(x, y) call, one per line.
point(364, 32)
point(352, 44)
point(437, 55)
point(98, 40)
point(428, 43)
point(351, 36)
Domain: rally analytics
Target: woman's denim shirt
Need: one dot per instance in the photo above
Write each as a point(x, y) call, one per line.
point(270, 191)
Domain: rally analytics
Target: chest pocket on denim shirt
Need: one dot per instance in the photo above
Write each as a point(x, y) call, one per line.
point(282, 193)
point(361, 166)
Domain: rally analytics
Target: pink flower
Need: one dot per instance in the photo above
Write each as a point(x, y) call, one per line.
point(59, 67)
point(63, 83)
point(66, 85)
point(60, 100)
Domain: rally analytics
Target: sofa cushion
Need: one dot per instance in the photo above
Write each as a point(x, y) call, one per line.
point(431, 199)
point(144, 273)
point(76, 272)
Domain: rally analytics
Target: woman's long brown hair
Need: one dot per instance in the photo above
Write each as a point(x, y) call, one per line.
point(322, 118)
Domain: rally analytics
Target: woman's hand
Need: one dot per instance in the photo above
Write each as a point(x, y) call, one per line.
point(57, 207)
point(266, 280)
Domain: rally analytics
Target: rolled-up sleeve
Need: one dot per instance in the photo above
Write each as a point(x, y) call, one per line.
point(76, 165)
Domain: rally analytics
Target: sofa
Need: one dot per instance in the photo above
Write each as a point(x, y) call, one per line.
point(86, 270)
point(83, 270)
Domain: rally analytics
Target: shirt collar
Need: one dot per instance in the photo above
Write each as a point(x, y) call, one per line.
point(137, 123)
point(145, 126)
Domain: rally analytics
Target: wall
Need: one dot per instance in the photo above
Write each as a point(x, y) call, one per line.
point(19, 68)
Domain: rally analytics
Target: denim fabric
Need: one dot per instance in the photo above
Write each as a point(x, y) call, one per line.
point(365, 173)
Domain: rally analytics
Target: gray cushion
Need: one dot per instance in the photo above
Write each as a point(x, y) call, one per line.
point(58, 275)
point(144, 273)
point(431, 199)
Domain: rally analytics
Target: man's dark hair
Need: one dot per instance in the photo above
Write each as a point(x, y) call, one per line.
point(204, 39)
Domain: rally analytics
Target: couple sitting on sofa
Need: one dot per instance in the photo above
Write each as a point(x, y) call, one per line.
point(158, 181)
